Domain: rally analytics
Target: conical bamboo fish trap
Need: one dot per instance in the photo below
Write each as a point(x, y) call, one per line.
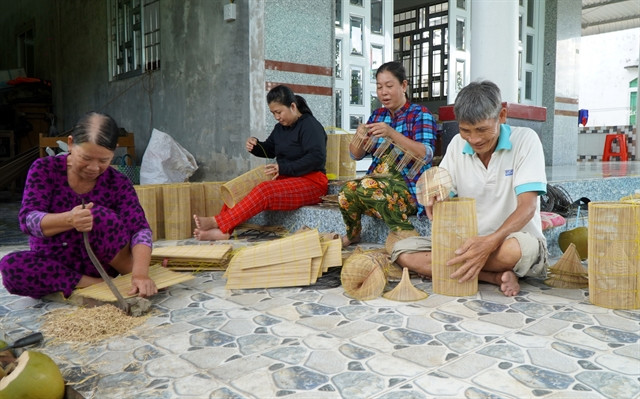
point(405, 291)
point(614, 255)
point(236, 189)
point(193, 257)
point(147, 198)
point(213, 197)
point(568, 271)
point(363, 276)
point(177, 211)
point(332, 165)
point(454, 221)
point(347, 169)
point(160, 275)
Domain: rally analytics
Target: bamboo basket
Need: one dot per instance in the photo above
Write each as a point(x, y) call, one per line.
point(333, 156)
point(213, 197)
point(177, 216)
point(614, 254)
point(454, 221)
point(147, 198)
point(347, 169)
point(236, 189)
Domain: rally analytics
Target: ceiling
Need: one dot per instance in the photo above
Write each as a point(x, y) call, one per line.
point(602, 16)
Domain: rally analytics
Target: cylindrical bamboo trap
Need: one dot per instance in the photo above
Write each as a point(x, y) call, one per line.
point(347, 169)
point(363, 275)
point(332, 165)
point(614, 255)
point(213, 197)
point(236, 189)
point(147, 198)
point(177, 215)
point(454, 221)
point(197, 198)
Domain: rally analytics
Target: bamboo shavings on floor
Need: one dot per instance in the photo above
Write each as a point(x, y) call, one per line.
point(160, 275)
point(89, 324)
point(291, 261)
point(193, 257)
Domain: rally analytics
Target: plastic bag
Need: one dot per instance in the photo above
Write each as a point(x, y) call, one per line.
point(165, 161)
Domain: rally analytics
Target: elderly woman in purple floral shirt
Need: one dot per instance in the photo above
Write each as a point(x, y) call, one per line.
point(67, 195)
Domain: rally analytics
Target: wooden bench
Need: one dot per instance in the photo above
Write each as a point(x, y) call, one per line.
point(127, 142)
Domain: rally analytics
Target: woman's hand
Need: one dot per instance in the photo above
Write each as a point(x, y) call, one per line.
point(143, 285)
point(380, 129)
point(272, 169)
point(81, 218)
point(251, 142)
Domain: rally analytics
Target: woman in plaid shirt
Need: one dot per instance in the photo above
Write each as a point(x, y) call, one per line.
point(388, 192)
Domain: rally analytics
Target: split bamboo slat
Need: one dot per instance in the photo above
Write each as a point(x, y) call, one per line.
point(332, 165)
point(160, 275)
point(147, 198)
point(347, 169)
point(193, 257)
point(454, 221)
point(177, 211)
point(363, 274)
point(285, 262)
point(236, 189)
point(614, 254)
point(435, 181)
point(198, 202)
point(213, 197)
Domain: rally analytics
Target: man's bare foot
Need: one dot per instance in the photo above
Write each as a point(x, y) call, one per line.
point(346, 241)
point(205, 222)
point(210, 235)
point(509, 285)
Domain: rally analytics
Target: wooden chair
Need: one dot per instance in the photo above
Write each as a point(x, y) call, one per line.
point(127, 142)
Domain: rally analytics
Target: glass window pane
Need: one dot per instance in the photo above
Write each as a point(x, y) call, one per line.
point(356, 35)
point(529, 49)
point(338, 108)
point(376, 16)
point(461, 4)
point(530, 7)
point(356, 2)
point(375, 102)
point(528, 82)
point(376, 59)
point(460, 34)
point(355, 121)
point(339, 13)
point(356, 86)
point(338, 58)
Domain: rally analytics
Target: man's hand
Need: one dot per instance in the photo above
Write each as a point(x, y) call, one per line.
point(472, 256)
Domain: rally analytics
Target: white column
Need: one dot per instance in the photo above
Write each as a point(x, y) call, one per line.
point(494, 44)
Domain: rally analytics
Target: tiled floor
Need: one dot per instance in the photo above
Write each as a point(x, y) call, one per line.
point(203, 341)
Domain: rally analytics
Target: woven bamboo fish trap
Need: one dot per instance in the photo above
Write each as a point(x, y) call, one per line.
point(405, 291)
point(454, 221)
point(568, 271)
point(286, 262)
point(236, 189)
point(332, 165)
point(614, 254)
point(161, 276)
point(177, 215)
point(147, 198)
point(433, 182)
point(347, 169)
point(193, 257)
point(363, 274)
point(213, 197)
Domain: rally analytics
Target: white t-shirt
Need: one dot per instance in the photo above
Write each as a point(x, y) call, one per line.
point(516, 166)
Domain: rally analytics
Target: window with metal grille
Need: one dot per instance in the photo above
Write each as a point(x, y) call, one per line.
point(421, 44)
point(134, 31)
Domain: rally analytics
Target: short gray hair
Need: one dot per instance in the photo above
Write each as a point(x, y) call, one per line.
point(478, 101)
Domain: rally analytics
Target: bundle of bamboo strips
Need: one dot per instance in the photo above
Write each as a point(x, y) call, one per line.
point(160, 275)
point(454, 221)
point(332, 165)
point(193, 257)
point(177, 211)
point(147, 198)
point(614, 254)
point(213, 197)
point(568, 271)
point(296, 260)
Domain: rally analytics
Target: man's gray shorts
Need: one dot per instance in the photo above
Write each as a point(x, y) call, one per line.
point(532, 263)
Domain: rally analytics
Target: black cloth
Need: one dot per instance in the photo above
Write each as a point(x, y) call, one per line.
point(299, 149)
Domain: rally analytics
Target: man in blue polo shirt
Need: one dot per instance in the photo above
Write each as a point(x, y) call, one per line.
point(503, 168)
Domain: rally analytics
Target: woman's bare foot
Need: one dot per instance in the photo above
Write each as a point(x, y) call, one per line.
point(205, 222)
point(509, 285)
point(210, 235)
point(346, 241)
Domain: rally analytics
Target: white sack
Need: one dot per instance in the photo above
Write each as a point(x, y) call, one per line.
point(165, 161)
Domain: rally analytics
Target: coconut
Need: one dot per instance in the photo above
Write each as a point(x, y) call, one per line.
point(35, 377)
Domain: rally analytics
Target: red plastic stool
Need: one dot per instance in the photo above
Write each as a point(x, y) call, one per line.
point(622, 143)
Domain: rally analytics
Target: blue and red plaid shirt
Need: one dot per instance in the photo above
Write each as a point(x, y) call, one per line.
point(414, 121)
